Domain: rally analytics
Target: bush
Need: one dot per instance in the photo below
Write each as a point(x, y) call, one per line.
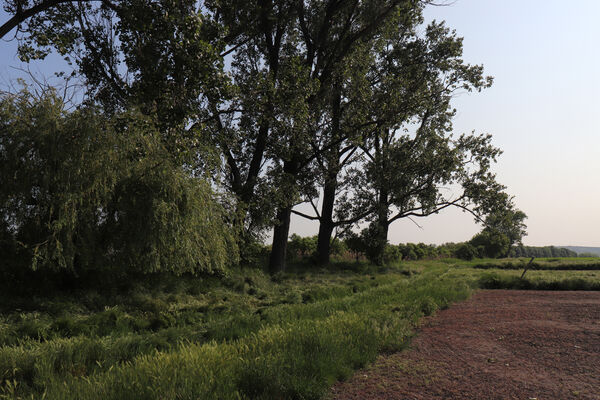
point(391, 254)
point(355, 244)
point(466, 251)
point(301, 247)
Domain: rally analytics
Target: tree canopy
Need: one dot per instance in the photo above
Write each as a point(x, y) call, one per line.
point(240, 111)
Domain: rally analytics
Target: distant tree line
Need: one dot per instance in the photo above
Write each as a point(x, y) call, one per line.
point(545, 251)
point(204, 124)
point(482, 245)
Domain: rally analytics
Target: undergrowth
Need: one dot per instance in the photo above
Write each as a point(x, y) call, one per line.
point(245, 335)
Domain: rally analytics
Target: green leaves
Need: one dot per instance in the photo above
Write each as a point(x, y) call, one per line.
point(81, 191)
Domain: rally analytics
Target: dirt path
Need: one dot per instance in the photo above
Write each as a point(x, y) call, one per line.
point(500, 344)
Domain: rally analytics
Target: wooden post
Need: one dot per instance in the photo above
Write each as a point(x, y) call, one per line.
point(527, 266)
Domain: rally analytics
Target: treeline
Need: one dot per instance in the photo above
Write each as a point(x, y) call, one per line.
point(303, 249)
point(545, 251)
point(353, 247)
point(204, 124)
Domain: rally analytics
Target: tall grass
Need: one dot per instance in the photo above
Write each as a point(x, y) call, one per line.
point(246, 335)
point(287, 339)
point(498, 278)
point(540, 280)
point(550, 264)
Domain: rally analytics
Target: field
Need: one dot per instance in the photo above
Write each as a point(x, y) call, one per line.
point(499, 344)
point(245, 335)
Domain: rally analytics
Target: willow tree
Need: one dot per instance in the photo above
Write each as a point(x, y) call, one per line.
point(84, 191)
point(160, 60)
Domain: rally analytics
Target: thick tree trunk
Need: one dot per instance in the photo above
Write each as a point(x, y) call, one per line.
point(382, 233)
point(326, 225)
point(280, 239)
point(382, 226)
point(282, 227)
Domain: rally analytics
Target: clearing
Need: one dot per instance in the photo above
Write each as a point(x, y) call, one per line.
point(500, 344)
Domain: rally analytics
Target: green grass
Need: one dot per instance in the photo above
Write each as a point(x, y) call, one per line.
point(494, 277)
point(540, 280)
point(246, 335)
point(566, 264)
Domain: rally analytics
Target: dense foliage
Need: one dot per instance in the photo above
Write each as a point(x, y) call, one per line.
point(82, 191)
point(280, 103)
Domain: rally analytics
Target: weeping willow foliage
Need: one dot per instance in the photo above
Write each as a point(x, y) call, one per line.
point(80, 190)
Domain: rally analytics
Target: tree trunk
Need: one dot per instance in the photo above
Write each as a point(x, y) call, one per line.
point(326, 225)
point(280, 239)
point(282, 228)
point(382, 226)
point(382, 233)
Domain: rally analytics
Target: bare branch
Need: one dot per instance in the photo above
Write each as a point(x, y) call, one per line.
point(311, 217)
point(315, 208)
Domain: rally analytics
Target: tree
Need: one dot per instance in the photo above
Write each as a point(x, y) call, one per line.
point(355, 244)
point(302, 247)
point(83, 191)
point(509, 222)
point(411, 156)
point(289, 67)
point(466, 251)
point(343, 128)
point(503, 228)
point(163, 56)
point(491, 243)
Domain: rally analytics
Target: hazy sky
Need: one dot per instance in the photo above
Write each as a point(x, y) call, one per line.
point(542, 111)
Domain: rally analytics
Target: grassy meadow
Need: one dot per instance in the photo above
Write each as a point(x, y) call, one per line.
point(243, 335)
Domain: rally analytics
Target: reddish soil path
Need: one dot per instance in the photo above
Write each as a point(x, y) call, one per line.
point(500, 344)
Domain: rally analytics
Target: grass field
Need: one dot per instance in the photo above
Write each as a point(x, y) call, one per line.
point(567, 264)
point(246, 335)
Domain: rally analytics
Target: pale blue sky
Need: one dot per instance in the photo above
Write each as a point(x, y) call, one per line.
point(541, 111)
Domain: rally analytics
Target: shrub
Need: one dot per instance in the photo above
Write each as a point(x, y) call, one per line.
point(491, 244)
point(301, 247)
point(466, 251)
point(391, 254)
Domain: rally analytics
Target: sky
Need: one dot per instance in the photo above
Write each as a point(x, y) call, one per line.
point(541, 110)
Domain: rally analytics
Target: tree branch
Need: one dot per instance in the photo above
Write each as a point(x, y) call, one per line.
point(440, 207)
point(311, 217)
point(21, 15)
point(354, 219)
point(315, 208)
